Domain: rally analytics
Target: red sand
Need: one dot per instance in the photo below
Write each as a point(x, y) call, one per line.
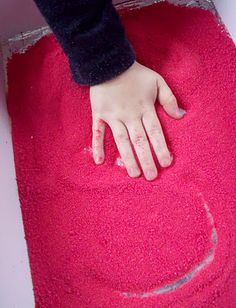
point(92, 232)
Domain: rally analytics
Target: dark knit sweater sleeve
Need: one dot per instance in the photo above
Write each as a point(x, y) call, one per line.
point(92, 36)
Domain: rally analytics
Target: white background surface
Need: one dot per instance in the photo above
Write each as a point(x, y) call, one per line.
point(227, 11)
point(22, 15)
point(18, 16)
point(15, 282)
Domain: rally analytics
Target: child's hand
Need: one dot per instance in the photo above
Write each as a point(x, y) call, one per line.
point(126, 104)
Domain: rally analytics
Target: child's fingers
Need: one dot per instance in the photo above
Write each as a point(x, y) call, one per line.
point(142, 149)
point(168, 100)
point(98, 140)
point(155, 134)
point(121, 137)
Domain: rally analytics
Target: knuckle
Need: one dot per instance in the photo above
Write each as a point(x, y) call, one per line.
point(121, 137)
point(96, 147)
point(97, 134)
point(139, 139)
point(170, 99)
point(147, 162)
point(155, 131)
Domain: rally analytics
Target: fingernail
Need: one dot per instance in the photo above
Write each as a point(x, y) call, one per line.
point(151, 175)
point(166, 160)
point(134, 172)
point(99, 160)
point(166, 163)
point(182, 112)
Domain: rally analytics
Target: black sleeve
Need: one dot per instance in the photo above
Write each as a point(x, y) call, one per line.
point(92, 36)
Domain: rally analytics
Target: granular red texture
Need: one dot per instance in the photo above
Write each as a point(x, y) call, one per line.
point(98, 238)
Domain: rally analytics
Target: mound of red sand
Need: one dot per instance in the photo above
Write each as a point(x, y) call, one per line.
point(97, 238)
